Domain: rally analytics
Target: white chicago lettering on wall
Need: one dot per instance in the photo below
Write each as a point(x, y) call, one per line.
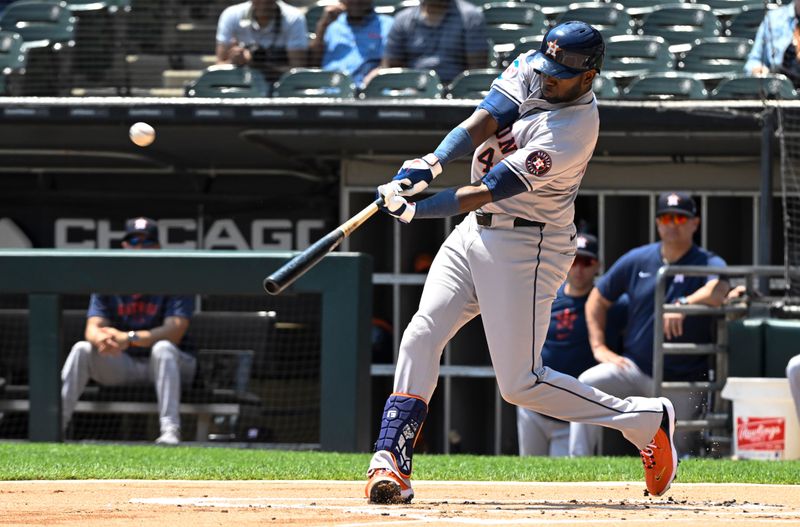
point(185, 233)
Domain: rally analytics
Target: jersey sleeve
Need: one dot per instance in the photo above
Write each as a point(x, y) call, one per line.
point(179, 306)
point(546, 156)
point(615, 281)
point(225, 26)
point(297, 34)
point(100, 306)
point(716, 261)
point(515, 81)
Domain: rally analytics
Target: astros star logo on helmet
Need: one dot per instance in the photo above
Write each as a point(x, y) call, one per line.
point(552, 48)
point(673, 200)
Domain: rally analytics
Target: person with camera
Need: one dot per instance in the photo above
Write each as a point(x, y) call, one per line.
point(268, 35)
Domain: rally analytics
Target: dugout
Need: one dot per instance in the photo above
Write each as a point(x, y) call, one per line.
point(270, 174)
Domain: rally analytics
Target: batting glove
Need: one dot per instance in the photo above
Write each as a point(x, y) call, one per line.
point(398, 207)
point(416, 174)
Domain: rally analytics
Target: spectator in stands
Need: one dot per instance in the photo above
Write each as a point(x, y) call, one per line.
point(630, 373)
point(776, 48)
point(793, 374)
point(567, 349)
point(350, 38)
point(269, 35)
point(134, 339)
point(447, 36)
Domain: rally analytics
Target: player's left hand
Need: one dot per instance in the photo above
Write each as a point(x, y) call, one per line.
point(416, 174)
point(398, 207)
point(673, 325)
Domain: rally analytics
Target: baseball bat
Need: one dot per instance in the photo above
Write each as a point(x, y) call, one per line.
point(301, 263)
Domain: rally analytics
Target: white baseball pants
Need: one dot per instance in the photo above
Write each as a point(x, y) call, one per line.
point(166, 367)
point(510, 276)
point(584, 440)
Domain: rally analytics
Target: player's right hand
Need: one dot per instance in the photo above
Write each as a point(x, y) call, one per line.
point(399, 207)
point(416, 174)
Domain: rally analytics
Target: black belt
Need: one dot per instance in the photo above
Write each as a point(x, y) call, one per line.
point(484, 219)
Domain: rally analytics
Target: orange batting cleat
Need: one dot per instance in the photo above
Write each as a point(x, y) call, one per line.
point(660, 459)
point(386, 487)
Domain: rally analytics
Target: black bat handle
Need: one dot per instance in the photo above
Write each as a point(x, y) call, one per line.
point(297, 266)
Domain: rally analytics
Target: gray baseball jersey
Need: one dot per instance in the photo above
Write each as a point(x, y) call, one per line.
point(547, 148)
point(508, 271)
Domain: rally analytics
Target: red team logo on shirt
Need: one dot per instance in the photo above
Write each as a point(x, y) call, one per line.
point(538, 163)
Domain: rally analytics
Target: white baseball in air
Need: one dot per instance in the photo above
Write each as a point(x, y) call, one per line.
point(142, 134)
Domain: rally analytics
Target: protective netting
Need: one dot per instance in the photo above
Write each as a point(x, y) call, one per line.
point(166, 47)
point(257, 377)
point(788, 133)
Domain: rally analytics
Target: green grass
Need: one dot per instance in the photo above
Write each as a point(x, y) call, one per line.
point(28, 461)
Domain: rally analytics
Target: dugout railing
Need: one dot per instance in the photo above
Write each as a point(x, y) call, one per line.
point(342, 280)
point(716, 421)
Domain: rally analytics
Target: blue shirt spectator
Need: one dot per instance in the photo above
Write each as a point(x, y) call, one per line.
point(635, 274)
point(777, 43)
point(268, 34)
point(350, 37)
point(567, 346)
point(628, 372)
point(448, 36)
point(135, 312)
point(134, 339)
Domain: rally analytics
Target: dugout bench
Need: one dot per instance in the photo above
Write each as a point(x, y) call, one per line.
point(231, 347)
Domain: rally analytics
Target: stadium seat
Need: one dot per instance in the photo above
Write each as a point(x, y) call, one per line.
point(745, 24)
point(307, 82)
point(523, 45)
point(47, 29)
point(609, 19)
point(638, 8)
point(507, 22)
point(730, 7)
point(551, 8)
point(605, 87)
point(716, 57)
point(40, 23)
point(100, 43)
point(634, 55)
point(472, 84)
point(403, 83)
point(682, 23)
point(77, 6)
point(12, 60)
point(228, 81)
point(773, 86)
point(666, 86)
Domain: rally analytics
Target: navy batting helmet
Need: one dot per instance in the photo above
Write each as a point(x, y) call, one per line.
point(570, 49)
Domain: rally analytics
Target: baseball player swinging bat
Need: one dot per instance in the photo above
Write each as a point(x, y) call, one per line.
point(300, 264)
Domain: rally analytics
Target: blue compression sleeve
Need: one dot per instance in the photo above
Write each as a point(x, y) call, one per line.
point(441, 205)
point(504, 110)
point(455, 144)
point(503, 183)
